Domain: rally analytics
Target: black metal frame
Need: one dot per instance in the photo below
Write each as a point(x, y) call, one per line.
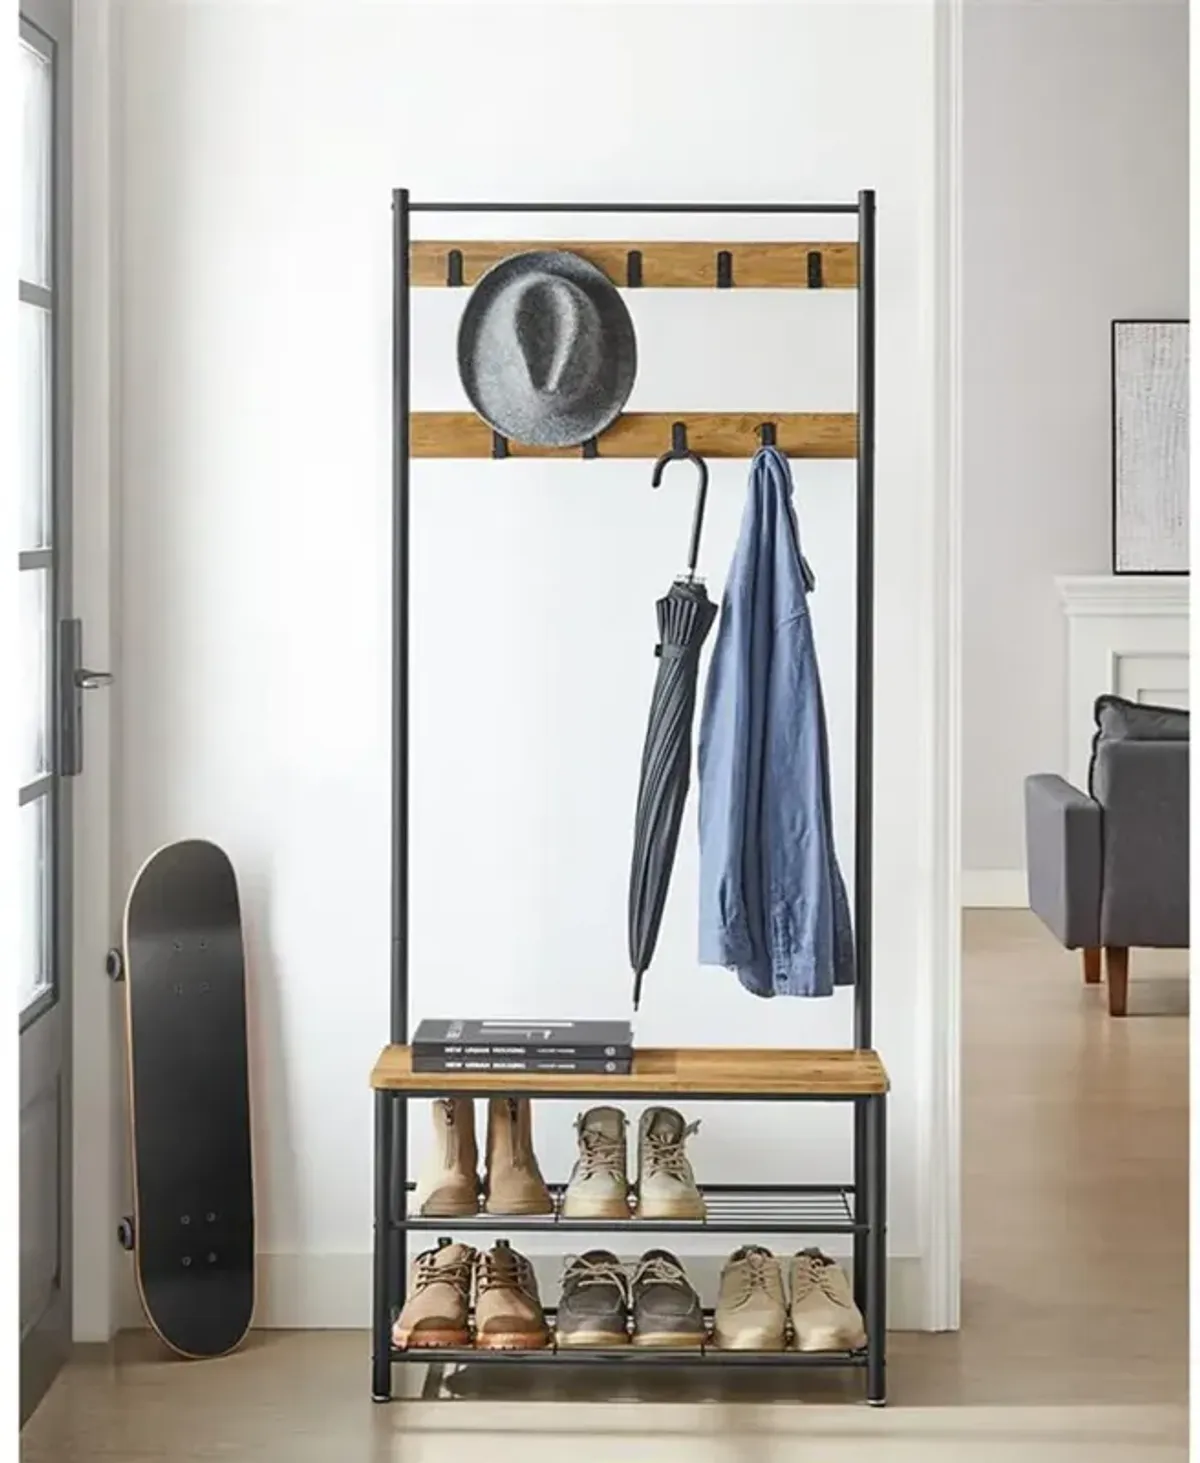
point(764, 1207)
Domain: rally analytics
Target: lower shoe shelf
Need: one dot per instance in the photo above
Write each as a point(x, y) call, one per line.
point(629, 1354)
point(732, 1209)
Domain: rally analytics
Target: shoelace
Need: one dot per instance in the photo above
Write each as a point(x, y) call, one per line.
point(454, 1272)
point(812, 1274)
point(581, 1272)
point(599, 1153)
point(665, 1152)
point(754, 1271)
point(504, 1270)
point(659, 1268)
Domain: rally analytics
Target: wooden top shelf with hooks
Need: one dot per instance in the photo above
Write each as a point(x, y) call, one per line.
point(654, 264)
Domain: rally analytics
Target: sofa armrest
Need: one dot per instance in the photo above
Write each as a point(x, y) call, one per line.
point(1063, 853)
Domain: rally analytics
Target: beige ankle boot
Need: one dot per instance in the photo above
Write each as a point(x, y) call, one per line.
point(513, 1182)
point(449, 1186)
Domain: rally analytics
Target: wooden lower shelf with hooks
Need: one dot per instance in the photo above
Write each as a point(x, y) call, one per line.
point(647, 434)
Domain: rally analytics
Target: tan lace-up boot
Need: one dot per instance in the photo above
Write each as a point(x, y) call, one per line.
point(513, 1182)
point(824, 1316)
point(439, 1299)
point(599, 1185)
point(449, 1185)
point(751, 1308)
point(508, 1313)
point(666, 1185)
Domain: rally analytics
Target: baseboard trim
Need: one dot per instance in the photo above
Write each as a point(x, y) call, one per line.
point(333, 1292)
point(994, 889)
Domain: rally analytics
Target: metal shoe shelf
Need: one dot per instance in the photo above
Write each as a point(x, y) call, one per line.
point(853, 1075)
point(731, 1209)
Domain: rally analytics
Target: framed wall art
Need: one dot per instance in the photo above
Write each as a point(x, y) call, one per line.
point(1150, 446)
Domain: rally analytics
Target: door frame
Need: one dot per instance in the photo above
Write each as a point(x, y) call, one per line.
point(98, 1119)
point(939, 1025)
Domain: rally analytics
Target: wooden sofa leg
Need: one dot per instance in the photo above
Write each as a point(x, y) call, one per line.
point(1091, 965)
point(1116, 959)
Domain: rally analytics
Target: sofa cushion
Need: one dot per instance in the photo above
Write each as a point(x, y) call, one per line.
point(1130, 721)
point(1119, 720)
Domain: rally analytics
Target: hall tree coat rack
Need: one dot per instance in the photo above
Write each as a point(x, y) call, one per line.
point(853, 1075)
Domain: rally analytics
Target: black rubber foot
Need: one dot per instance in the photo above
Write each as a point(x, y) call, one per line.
point(376, 1398)
point(114, 964)
point(876, 1401)
point(125, 1236)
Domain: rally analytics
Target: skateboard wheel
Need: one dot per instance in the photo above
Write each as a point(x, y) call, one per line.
point(114, 964)
point(125, 1232)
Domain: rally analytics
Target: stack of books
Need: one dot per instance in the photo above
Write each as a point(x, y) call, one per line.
point(523, 1046)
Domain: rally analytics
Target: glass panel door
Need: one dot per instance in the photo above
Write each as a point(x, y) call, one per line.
point(42, 513)
point(38, 568)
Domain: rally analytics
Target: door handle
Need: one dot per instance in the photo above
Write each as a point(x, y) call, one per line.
point(74, 678)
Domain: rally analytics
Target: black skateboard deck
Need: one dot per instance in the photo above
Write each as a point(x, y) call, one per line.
point(192, 1230)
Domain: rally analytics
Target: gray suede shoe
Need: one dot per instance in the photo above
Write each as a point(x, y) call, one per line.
point(666, 1310)
point(594, 1307)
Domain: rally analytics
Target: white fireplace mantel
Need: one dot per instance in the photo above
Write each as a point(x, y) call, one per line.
point(1126, 634)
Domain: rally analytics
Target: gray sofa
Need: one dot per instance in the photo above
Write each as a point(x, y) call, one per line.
point(1108, 868)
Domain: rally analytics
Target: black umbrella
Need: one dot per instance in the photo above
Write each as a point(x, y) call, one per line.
point(685, 616)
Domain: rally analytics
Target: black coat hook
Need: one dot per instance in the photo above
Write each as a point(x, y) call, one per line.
point(680, 452)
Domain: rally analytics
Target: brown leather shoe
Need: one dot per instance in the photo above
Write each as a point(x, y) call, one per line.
point(439, 1299)
point(513, 1182)
point(508, 1313)
point(449, 1185)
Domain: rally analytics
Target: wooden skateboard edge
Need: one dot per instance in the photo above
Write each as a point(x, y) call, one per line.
point(166, 1340)
point(132, 1123)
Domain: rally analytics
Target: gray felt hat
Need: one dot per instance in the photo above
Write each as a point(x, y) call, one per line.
point(546, 349)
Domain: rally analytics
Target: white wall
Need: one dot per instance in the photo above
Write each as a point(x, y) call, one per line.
point(1075, 212)
point(259, 145)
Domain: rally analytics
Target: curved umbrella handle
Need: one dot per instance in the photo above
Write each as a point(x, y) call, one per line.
point(680, 453)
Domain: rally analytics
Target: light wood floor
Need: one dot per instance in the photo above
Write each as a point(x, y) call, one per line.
point(1074, 1342)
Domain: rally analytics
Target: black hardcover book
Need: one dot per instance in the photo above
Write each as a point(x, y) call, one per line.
point(556, 1040)
point(608, 1066)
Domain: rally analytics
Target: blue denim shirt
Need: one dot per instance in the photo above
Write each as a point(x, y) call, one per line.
point(773, 904)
